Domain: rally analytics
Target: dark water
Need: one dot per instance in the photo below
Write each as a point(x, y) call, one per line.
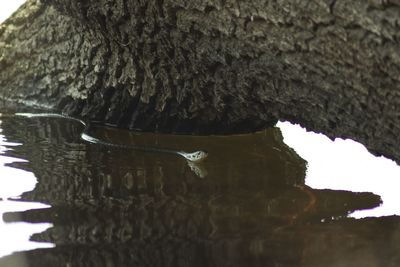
point(246, 205)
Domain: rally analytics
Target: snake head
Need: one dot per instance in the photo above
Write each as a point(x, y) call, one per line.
point(196, 156)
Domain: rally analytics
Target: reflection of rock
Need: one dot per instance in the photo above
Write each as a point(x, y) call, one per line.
point(188, 216)
point(151, 209)
point(367, 242)
point(198, 169)
point(69, 169)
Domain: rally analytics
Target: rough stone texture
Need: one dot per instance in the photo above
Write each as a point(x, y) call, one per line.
point(212, 66)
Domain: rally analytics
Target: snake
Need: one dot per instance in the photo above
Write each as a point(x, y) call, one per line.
point(195, 156)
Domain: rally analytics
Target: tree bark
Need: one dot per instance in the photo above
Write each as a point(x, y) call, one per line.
point(211, 66)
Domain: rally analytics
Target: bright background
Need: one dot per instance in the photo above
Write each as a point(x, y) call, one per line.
point(346, 165)
point(7, 7)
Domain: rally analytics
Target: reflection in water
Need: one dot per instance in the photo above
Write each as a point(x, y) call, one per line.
point(347, 165)
point(14, 182)
point(112, 207)
point(15, 236)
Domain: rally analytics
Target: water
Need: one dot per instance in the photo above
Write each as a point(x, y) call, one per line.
point(248, 204)
point(14, 182)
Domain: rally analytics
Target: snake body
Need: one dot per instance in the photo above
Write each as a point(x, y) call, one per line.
point(196, 156)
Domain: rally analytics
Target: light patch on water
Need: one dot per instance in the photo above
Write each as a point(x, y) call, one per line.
point(15, 236)
point(7, 7)
point(14, 182)
point(346, 165)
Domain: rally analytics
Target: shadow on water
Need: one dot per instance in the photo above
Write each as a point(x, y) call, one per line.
point(246, 205)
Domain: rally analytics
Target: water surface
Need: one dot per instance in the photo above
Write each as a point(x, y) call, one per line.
point(246, 205)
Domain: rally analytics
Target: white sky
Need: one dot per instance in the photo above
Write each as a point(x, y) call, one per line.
point(7, 7)
point(346, 165)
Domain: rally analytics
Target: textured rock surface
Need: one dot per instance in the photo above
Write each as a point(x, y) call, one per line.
point(211, 66)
